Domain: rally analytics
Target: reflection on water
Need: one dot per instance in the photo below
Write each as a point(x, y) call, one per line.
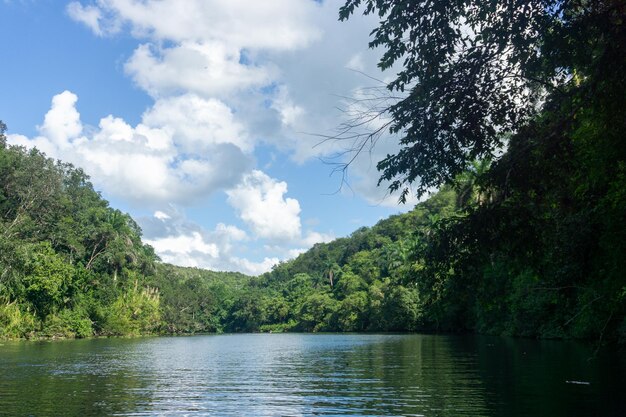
point(295, 374)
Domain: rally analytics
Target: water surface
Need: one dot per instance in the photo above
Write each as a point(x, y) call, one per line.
point(305, 374)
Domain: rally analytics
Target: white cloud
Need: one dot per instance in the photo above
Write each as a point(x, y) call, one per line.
point(182, 242)
point(315, 237)
point(39, 142)
point(206, 68)
point(276, 64)
point(212, 45)
point(90, 16)
point(276, 24)
point(161, 216)
point(294, 253)
point(151, 162)
point(197, 124)
point(290, 113)
point(254, 268)
point(260, 202)
point(232, 233)
point(185, 245)
point(62, 122)
point(303, 244)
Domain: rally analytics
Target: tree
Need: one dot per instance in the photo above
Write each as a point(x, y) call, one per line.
point(317, 311)
point(473, 71)
point(3, 139)
point(48, 279)
point(352, 312)
point(61, 250)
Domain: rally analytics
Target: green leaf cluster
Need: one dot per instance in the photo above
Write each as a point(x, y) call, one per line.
point(70, 265)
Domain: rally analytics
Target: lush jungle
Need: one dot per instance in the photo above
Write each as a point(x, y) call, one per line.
point(518, 120)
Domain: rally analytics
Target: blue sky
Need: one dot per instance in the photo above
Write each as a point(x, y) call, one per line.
point(200, 117)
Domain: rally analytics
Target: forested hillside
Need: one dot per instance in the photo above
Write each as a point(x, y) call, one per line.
point(539, 88)
point(473, 257)
point(514, 111)
point(70, 265)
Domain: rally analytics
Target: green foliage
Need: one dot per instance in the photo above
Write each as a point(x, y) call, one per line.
point(248, 312)
point(135, 312)
point(352, 312)
point(473, 71)
point(198, 301)
point(317, 313)
point(15, 323)
point(65, 256)
point(67, 324)
point(47, 278)
point(515, 111)
point(401, 309)
point(534, 245)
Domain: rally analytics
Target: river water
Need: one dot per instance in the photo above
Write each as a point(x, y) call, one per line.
point(312, 374)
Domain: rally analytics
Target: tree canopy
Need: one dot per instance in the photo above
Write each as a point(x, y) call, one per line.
point(527, 246)
point(473, 72)
point(518, 108)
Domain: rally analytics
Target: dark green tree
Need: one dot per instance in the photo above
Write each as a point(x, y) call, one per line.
point(472, 71)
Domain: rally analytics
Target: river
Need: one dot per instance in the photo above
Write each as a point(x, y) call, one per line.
point(312, 374)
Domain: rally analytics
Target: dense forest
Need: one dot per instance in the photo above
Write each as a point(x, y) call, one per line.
point(518, 120)
point(463, 260)
point(70, 265)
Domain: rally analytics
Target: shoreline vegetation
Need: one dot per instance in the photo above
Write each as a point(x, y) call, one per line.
point(73, 267)
point(516, 115)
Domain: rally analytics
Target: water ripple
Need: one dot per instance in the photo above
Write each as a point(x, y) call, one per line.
point(290, 375)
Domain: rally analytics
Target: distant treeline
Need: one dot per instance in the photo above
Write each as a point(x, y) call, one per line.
point(529, 246)
point(530, 243)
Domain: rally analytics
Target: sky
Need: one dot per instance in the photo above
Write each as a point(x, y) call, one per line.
point(203, 119)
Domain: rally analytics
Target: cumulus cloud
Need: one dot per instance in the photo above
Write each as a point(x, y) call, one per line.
point(150, 163)
point(62, 122)
point(277, 63)
point(196, 124)
point(306, 242)
point(290, 113)
point(254, 268)
point(225, 76)
point(260, 202)
point(94, 18)
point(185, 245)
point(183, 242)
point(249, 54)
point(315, 237)
point(211, 44)
point(276, 24)
point(206, 68)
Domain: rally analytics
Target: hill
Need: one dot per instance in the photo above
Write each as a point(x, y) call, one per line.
point(71, 266)
point(502, 250)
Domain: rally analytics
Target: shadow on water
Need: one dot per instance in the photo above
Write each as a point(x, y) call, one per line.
point(298, 374)
point(74, 377)
point(552, 378)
